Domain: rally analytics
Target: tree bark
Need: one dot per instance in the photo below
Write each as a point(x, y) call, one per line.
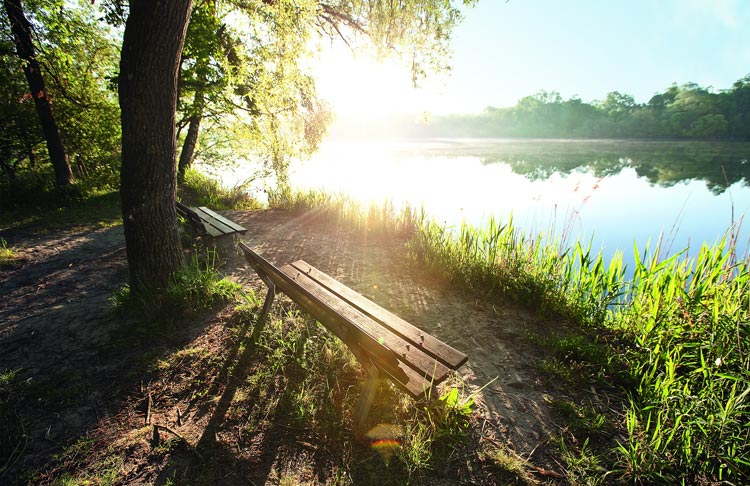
point(154, 35)
point(191, 139)
point(25, 49)
point(188, 147)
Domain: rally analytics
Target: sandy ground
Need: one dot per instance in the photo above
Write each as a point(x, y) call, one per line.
point(56, 318)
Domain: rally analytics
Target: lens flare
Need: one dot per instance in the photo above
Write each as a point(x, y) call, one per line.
point(385, 439)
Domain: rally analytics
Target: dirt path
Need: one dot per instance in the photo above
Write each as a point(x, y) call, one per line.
point(55, 316)
point(377, 268)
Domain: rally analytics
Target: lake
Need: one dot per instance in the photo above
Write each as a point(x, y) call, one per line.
point(614, 193)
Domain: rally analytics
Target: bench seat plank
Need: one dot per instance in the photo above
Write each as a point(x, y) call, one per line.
point(207, 222)
point(410, 354)
point(446, 354)
point(412, 370)
point(346, 331)
point(362, 344)
point(220, 222)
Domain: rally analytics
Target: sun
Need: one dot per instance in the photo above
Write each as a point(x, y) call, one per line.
point(362, 86)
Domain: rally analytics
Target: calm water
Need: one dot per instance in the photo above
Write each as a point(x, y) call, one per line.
point(616, 193)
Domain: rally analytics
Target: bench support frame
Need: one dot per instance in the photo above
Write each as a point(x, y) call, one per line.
point(367, 395)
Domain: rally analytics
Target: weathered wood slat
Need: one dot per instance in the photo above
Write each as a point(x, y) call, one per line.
point(208, 222)
point(406, 378)
point(212, 224)
point(213, 231)
point(220, 222)
point(410, 354)
point(409, 366)
point(345, 330)
point(446, 354)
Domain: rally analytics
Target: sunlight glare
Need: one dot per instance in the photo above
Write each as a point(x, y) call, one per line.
point(359, 85)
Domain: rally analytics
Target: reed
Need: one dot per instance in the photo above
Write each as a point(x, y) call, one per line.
point(375, 218)
point(681, 327)
point(203, 190)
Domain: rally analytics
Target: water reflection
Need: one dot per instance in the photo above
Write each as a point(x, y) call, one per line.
point(718, 164)
point(616, 192)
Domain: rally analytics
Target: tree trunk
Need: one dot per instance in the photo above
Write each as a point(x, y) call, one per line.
point(25, 48)
point(188, 147)
point(154, 35)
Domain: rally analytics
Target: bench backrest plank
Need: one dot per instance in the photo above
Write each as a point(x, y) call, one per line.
point(355, 329)
point(412, 355)
point(447, 355)
point(346, 331)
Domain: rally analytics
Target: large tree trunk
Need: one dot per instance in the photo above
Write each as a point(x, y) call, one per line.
point(154, 34)
point(25, 48)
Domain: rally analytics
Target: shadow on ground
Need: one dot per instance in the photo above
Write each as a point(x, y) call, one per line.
point(95, 394)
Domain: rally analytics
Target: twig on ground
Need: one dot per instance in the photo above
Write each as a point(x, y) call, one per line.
point(190, 446)
point(149, 402)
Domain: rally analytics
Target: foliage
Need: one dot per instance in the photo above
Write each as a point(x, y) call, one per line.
point(683, 328)
point(688, 321)
point(681, 112)
point(78, 56)
point(7, 255)
point(245, 69)
point(372, 219)
point(202, 190)
point(241, 77)
point(501, 260)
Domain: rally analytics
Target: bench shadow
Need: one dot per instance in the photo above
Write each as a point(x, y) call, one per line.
point(216, 462)
point(257, 460)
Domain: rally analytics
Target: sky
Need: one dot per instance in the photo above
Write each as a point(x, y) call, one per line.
point(504, 51)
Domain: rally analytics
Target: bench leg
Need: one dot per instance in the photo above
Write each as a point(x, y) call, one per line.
point(266, 307)
point(368, 394)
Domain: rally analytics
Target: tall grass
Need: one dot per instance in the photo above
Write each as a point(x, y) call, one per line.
point(683, 328)
point(501, 260)
point(195, 287)
point(203, 190)
point(689, 324)
point(380, 218)
point(7, 255)
point(685, 323)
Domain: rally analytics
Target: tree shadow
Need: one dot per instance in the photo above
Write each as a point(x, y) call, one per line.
point(69, 362)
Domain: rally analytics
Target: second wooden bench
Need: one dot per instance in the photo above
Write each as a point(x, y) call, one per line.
point(205, 222)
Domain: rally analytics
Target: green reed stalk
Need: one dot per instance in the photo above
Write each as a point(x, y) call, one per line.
point(683, 323)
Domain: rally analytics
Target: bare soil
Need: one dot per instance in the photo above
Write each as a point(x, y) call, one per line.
point(79, 366)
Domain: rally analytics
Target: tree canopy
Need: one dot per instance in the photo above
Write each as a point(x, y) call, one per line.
point(688, 111)
point(77, 55)
point(274, 93)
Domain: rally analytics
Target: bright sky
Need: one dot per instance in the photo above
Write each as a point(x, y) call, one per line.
point(504, 51)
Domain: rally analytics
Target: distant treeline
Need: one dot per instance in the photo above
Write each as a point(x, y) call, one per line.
point(681, 112)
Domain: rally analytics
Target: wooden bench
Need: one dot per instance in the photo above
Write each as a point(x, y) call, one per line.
point(205, 222)
point(384, 344)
